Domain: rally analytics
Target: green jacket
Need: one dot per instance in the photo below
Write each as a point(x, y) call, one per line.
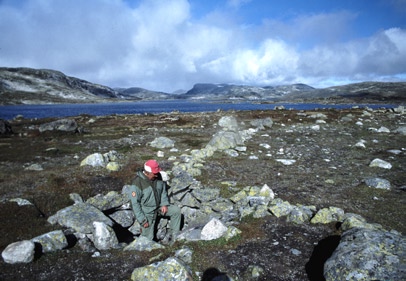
point(147, 197)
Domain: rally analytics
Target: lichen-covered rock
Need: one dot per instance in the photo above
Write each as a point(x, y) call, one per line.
point(94, 160)
point(79, 217)
point(231, 232)
point(143, 244)
point(356, 221)
point(327, 215)
point(301, 214)
point(368, 254)
point(19, 252)
point(280, 208)
point(109, 201)
point(103, 237)
point(51, 241)
point(172, 269)
point(225, 139)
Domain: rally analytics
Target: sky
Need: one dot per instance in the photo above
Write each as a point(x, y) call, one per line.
point(170, 45)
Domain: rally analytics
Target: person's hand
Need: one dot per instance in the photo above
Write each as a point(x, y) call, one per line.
point(164, 209)
point(146, 225)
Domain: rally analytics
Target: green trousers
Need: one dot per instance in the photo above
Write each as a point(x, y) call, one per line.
point(174, 223)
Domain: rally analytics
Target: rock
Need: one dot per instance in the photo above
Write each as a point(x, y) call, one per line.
point(228, 123)
point(266, 191)
point(286, 162)
point(401, 130)
point(231, 232)
point(383, 130)
point(109, 201)
point(185, 254)
point(5, 127)
point(113, 166)
point(104, 237)
point(172, 269)
point(260, 124)
point(80, 217)
point(19, 252)
point(225, 139)
point(51, 241)
point(327, 215)
point(125, 218)
point(356, 221)
point(34, 167)
point(378, 183)
point(65, 125)
point(214, 229)
point(143, 244)
point(20, 201)
point(94, 160)
point(301, 214)
point(280, 208)
point(380, 164)
point(367, 254)
point(162, 142)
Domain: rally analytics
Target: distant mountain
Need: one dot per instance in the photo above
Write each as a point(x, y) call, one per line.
point(241, 92)
point(43, 86)
point(364, 91)
point(31, 86)
point(135, 93)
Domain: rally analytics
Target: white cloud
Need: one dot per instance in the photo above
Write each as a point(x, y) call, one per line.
point(158, 46)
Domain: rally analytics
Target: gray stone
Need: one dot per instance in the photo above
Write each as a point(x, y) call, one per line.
point(172, 269)
point(19, 252)
point(109, 201)
point(327, 215)
point(104, 237)
point(401, 130)
point(94, 160)
point(214, 229)
point(185, 254)
point(228, 123)
point(378, 183)
point(65, 125)
point(143, 244)
point(368, 254)
point(225, 139)
point(125, 218)
point(380, 164)
point(162, 142)
point(79, 217)
point(51, 241)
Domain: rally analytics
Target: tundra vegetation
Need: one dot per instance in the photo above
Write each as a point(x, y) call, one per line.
point(331, 149)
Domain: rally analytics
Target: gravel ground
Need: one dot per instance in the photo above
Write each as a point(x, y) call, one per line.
point(329, 171)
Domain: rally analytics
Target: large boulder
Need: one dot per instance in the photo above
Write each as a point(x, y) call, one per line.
point(368, 254)
point(80, 217)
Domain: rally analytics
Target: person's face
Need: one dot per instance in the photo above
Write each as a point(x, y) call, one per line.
point(151, 176)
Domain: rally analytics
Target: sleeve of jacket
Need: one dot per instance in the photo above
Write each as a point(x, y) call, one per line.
point(135, 198)
point(164, 196)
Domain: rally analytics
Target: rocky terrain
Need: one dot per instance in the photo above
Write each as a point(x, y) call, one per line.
point(321, 158)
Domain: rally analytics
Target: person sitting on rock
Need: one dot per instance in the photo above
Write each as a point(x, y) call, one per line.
point(149, 199)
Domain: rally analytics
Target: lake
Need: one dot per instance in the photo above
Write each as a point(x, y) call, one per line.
point(8, 112)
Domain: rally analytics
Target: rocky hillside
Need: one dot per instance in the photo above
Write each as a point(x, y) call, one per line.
point(39, 86)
